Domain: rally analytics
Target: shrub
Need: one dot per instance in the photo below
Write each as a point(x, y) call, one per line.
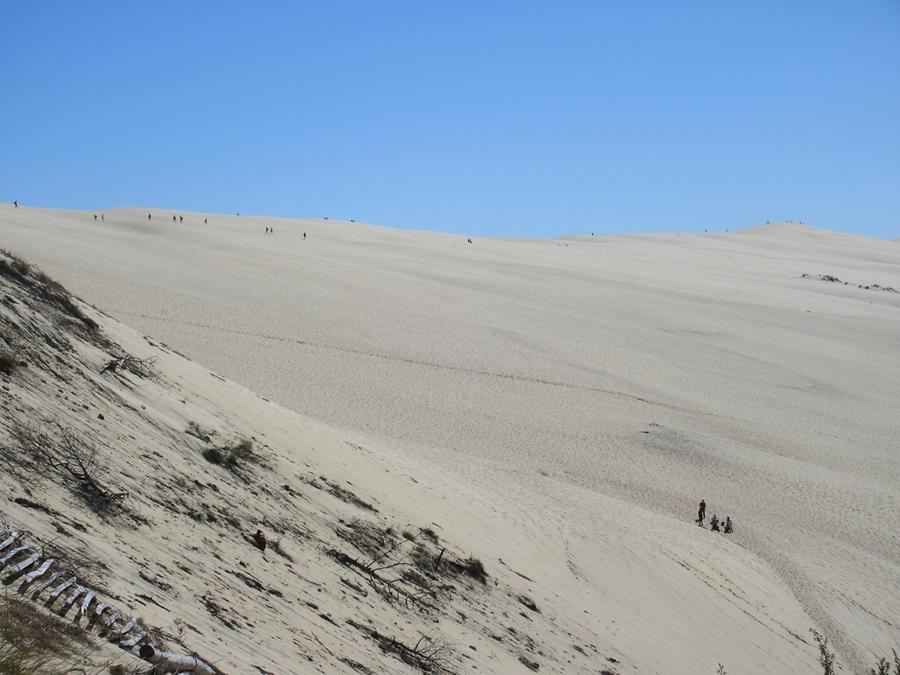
point(8, 362)
point(230, 456)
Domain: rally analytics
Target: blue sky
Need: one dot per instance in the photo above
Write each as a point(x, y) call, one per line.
point(490, 118)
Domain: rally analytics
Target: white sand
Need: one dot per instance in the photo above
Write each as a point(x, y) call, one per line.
point(566, 403)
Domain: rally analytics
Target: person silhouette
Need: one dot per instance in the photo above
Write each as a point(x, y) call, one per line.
point(701, 512)
point(15, 203)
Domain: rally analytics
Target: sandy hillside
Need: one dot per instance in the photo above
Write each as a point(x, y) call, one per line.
point(574, 398)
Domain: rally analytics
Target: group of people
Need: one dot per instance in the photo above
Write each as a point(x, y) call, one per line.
point(179, 219)
point(715, 524)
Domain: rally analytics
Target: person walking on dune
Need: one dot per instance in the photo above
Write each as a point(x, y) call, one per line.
point(729, 527)
point(149, 216)
point(701, 512)
point(15, 203)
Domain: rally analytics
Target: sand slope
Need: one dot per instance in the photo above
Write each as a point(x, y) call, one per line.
point(581, 393)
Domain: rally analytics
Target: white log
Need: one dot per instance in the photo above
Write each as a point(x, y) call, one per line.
point(40, 571)
point(9, 540)
point(171, 663)
point(112, 618)
point(100, 608)
point(46, 582)
point(87, 601)
point(25, 564)
point(6, 542)
point(63, 586)
point(128, 626)
point(132, 641)
point(12, 554)
point(78, 591)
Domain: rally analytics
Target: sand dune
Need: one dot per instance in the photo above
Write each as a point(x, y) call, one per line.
point(574, 398)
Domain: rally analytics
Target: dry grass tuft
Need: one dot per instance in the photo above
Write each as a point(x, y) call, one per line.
point(32, 641)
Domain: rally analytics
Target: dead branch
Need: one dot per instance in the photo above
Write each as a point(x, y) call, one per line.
point(142, 367)
point(71, 457)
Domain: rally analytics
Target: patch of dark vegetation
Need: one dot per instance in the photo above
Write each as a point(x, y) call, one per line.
point(528, 663)
point(370, 538)
point(49, 291)
point(528, 602)
point(430, 535)
point(345, 495)
point(429, 655)
point(356, 665)
point(32, 641)
point(8, 362)
point(833, 279)
point(230, 456)
point(67, 457)
point(471, 567)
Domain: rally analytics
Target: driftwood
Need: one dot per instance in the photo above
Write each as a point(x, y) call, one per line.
point(168, 662)
point(131, 634)
point(40, 571)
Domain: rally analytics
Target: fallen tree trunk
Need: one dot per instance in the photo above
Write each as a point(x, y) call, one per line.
point(174, 663)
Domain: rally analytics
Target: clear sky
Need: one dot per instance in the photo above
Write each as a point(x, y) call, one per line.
point(492, 118)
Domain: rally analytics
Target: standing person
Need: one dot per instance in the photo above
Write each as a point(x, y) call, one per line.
point(180, 219)
point(149, 216)
point(729, 528)
point(304, 235)
point(204, 221)
point(701, 512)
point(173, 217)
point(95, 217)
point(102, 219)
point(15, 203)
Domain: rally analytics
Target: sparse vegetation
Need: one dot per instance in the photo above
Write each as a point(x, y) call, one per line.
point(230, 456)
point(883, 667)
point(32, 641)
point(8, 362)
point(70, 457)
point(827, 659)
point(48, 290)
point(826, 656)
point(428, 654)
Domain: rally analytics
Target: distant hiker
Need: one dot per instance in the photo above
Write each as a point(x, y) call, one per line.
point(259, 540)
point(304, 235)
point(101, 218)
point(701, 512)
point(469, 240)
point(204, 221)
point(729, 528)
point(15, 203)
point(149, 216)
point(95, 217)
point(173, 218)
point(180, 219)
point(714, 523)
